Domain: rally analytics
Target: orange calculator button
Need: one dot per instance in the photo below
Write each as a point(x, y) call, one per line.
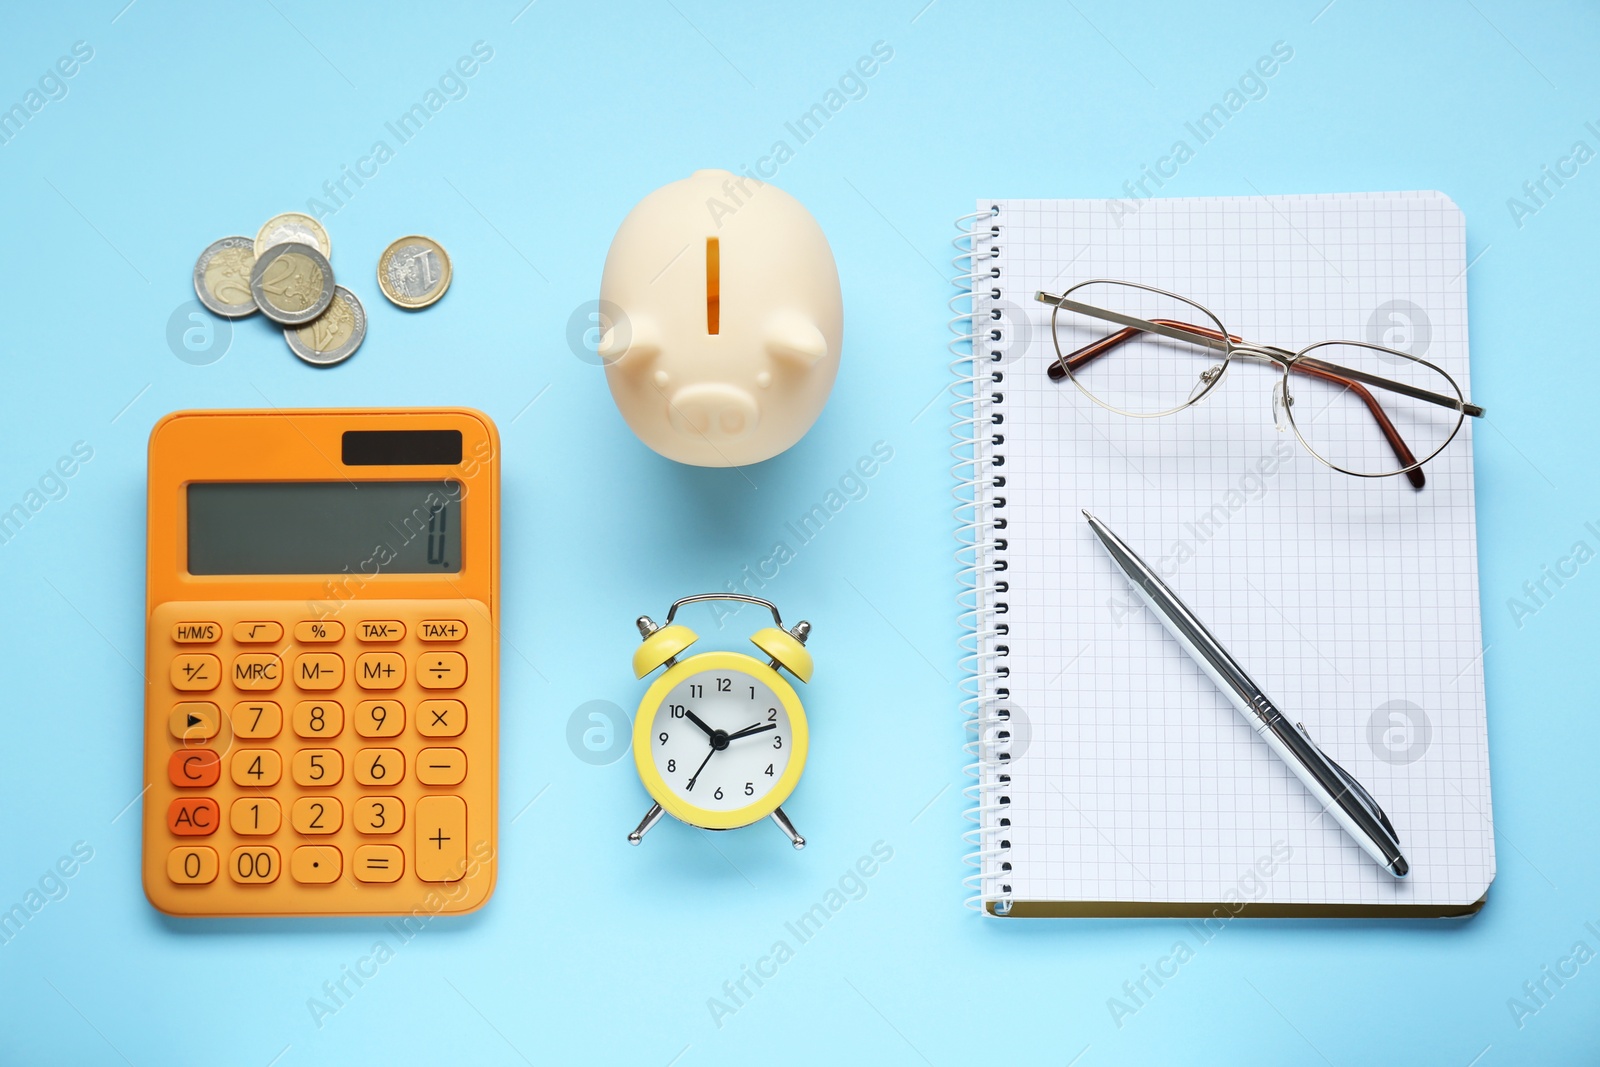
point(194, 768)
point(257, 633)
point(256, 766)
point(441, 766)
point(376, 816)
point(193, 816)
point(318, 718)
point(380, 718)
point(441, 839)
point(380, 766)
point(318, 631)
point(196, 633)
point(194, 720)
point(192, 865)
point(380, 630)
point(317, 815)
point(442, 630)
point(259, 671)
point(379, 863)
point(441, 718)
point(254, 864)
point(318, 670)
point(316, 864)
point(254, 719)
point(380, 670)
point(255, 816)
point(317, 768)
point(441, 670)
point(196, 672)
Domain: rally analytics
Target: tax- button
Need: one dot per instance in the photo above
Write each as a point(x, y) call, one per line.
point(196, 672)
point(257, 671)
point(380, 670)
point(194, 768)
point(194, 720)
point(257, 633)
point(318, 670)
point(441, 839)
point(441, 670)
point(380, 630)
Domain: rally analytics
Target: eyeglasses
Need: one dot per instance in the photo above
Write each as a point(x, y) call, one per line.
point(1360, 408)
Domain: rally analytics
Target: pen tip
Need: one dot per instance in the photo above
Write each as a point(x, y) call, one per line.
point(1400, 868)
point(1087, 515)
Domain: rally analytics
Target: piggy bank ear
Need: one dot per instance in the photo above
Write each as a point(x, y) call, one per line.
point(630, 337)
point(791, 335)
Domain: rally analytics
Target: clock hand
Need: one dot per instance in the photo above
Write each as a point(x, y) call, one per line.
point(757, 729)
point(696, 776)
point(698, 721)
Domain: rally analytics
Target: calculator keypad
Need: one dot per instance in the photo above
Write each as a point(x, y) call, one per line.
point(321, 765)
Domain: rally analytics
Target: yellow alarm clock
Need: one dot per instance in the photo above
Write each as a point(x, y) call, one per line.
point(720, 738)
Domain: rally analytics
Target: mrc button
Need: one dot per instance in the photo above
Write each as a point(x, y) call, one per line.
point(257, 670)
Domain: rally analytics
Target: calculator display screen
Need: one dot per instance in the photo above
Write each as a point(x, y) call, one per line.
point(358, 528)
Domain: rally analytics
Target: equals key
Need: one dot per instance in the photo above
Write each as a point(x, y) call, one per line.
point(379, 863)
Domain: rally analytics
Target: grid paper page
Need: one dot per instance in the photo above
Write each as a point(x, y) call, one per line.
point(1353, 602)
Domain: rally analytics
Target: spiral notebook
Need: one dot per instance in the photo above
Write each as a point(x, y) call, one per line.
point(1110, 775)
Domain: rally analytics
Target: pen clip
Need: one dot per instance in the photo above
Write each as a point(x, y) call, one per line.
point(1355, 788)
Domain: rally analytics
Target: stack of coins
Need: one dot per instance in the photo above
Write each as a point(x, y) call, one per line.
point(285, 274)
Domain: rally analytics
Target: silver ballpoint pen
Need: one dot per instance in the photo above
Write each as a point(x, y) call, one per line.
point(1330, 784)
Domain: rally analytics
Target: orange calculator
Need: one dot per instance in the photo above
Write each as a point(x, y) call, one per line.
point(322, 662)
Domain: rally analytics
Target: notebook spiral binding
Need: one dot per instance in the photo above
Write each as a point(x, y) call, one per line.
point(977, 421)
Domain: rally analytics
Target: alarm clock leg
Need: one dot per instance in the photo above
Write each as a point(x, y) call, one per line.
point(788, 829)
point(652, 817)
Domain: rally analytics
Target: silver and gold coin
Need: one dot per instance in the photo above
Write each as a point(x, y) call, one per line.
point(222, 277)
point(414, 272)
point(333, 336)
point(292, 283)
point(293, 227)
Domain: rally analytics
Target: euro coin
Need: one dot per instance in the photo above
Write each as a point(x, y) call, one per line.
point(293, 227)
point(292, 283)
point(414, 272)
point(222, 277)
point(333, 336)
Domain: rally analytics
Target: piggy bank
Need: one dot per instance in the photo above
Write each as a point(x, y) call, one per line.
point(721, 320)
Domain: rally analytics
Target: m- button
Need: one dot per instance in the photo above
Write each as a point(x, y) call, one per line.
point(257, 671)
point(380, 670)
point(318, 670)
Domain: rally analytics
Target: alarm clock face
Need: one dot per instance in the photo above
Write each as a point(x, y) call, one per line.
point(721, 740)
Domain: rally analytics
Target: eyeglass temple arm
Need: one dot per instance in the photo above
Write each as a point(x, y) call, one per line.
point(1183, 331)
point(1315, 368)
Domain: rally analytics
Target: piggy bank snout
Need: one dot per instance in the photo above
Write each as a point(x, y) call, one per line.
point(715, 411)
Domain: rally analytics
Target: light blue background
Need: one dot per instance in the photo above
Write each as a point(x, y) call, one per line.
point(192, 122)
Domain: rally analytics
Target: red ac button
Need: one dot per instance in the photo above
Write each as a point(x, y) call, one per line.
point(193, 816)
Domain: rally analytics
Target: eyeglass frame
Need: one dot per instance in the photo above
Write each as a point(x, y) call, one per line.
point(1230, 345)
